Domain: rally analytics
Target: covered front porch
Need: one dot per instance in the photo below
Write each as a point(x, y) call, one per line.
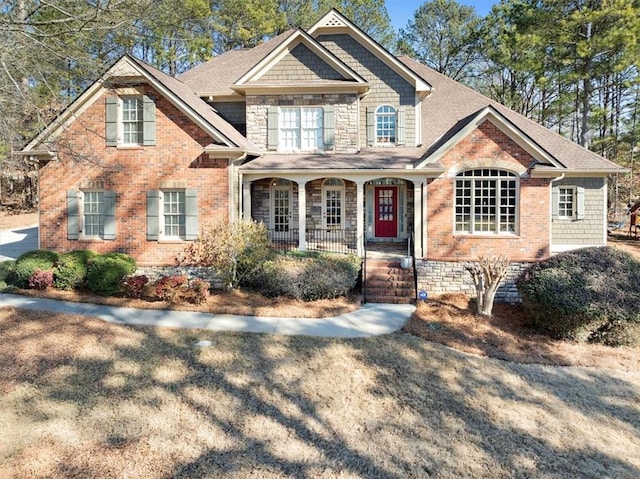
point(339, 212)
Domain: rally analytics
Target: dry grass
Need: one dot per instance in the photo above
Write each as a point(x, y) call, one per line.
point(8, 221)
point(232, 302)
point(450, 320)
point(87, 399)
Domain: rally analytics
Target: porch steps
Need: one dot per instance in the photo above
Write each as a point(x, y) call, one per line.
point(387, 282)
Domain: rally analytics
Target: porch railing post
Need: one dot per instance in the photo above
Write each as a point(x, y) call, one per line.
point(302, 215)
point(360, 218)
point(419, 205)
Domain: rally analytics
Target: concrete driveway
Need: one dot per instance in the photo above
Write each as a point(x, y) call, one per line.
point(16, 241)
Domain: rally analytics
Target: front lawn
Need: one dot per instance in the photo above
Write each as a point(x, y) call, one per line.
point(84, 398)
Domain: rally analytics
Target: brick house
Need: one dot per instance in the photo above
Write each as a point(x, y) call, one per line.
point(329, 140)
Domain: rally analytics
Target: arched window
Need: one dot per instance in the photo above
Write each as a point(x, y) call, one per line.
point(486, 202)
point(385, 125)
point(333, 203)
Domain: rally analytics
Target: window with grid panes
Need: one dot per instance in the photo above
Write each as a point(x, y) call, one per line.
point(385, 124)
point(93, 213)
point(174, 214)
point(300, 128)
point(486, 202)
point(565, 202)
point(333, 203)
point(132, 120)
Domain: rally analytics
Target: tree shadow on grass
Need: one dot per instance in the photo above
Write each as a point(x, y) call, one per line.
point(146, 402)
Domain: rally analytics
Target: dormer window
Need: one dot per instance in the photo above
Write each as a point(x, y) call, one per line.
point(130, 119)
point(385, 125)
point(300, 129)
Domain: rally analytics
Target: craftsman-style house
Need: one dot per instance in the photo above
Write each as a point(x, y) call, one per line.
point(329, 140)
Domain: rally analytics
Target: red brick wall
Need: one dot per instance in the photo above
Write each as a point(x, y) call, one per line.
point(131, 172)
point(531, 243)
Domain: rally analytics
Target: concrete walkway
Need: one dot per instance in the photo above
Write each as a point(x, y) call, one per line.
point(370, 320)
point(14, 242)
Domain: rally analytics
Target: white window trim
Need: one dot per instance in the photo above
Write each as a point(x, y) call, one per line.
point(319, 130)
point(81, 219)
point(385, 144)
point(574, 202)
point(289, 189)
point(161, 214)
point(120, 120)
point(497, 233)
point(341, 188)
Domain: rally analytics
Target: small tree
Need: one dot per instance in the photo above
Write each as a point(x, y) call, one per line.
point(487, 273)
point(235, 250)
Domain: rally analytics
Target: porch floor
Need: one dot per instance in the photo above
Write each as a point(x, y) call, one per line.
point(386, 249)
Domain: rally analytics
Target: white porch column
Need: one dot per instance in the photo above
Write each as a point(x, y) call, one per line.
point(246, 199)
point(302, 215)
point(360, 218)
point(419, 224)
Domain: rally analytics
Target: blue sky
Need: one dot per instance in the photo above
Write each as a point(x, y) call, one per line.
point(401, 11)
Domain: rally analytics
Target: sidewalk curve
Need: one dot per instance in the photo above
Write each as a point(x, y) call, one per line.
point(371, 319)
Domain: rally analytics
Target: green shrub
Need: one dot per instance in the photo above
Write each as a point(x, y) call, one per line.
point(106, 272)
point(307, 276)
point(28, 263)
point(71, 269)
point(6, 270)
point(591, 294)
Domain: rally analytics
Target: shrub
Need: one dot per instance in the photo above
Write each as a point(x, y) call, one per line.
point(308, 276)
point(198, 291)
point(235, 250)
point(6, 270)
point(590, 294)
point(28, 263)
point(169, 288)
point(106, 272)
point(134, 286)
point(71, 269)
point(41, 279)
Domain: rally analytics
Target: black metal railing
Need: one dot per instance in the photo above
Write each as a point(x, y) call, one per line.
point(334, 241)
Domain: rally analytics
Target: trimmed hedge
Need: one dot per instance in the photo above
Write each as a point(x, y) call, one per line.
point(591, 294)
point(106, 272)
point(28, 263)
point(71, 269)
point(307, 275)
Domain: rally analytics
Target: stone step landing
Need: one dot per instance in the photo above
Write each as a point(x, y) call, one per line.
point(387, 282)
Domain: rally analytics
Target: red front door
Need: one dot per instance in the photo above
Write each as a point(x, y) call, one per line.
point(386, 211)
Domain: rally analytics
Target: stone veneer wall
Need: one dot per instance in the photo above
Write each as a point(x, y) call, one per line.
point(438, 277)
point(154, 273)
point(345, 108)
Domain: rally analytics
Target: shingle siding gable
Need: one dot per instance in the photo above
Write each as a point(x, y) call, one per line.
point(301, 64)
point(387, 87)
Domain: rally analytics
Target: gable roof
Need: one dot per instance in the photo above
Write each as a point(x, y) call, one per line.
point(215, 77)
point(174, 90)
point(299, 37)
point(334, 22)
point(446, 109)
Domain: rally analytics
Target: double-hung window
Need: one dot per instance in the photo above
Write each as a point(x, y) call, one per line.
point(486, 202)
point(132, 120)
point(300, 129)
point(93, 214)
point(566, 206)
point(174, 219)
